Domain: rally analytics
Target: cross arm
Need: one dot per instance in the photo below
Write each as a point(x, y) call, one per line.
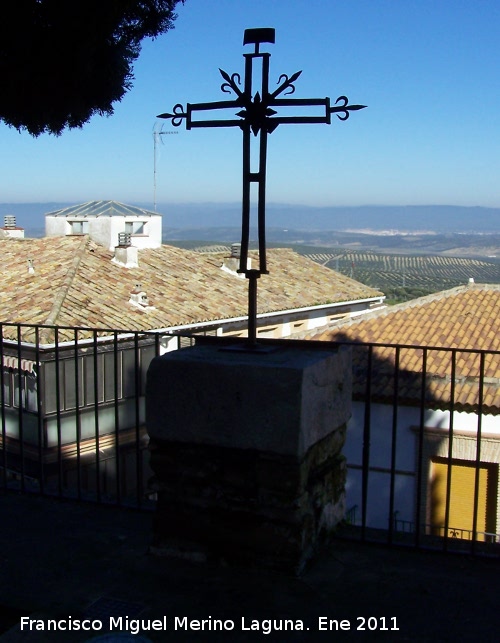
point(342, 110)
point(179, 114)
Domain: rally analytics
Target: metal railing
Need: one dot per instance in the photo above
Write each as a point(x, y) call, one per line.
point(421, 445)
point(73, 412)
point(409, 527)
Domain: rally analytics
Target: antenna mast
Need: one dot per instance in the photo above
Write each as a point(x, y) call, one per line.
point(157, 134)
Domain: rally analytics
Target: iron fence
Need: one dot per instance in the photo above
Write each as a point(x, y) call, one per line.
point(422, 446)
point(72, 412)
point(408, 527)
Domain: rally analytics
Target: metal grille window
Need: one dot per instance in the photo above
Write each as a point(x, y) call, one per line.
point(52, 396)
point(93, 369)
point(109, 376)
point(19, 390)
point(69, 379)
point(147, 354)
point(7, 387)
point(130, 388)
point(96, 375)
point(30, 392)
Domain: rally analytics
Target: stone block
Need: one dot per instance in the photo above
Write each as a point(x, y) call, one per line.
point(280, 402)
point(246, 452)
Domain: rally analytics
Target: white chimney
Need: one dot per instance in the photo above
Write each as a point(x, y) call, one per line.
point(10, 228)
point(231, 264)
point(126, 255)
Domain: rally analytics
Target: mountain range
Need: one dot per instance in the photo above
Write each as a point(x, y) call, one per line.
point(367, 218)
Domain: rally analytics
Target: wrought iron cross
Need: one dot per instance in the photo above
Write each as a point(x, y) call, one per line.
point(257, 116)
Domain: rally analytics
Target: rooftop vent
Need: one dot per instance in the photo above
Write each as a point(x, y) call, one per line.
point(138, 297)
point(10, 228)
point(124, 239)
point(232, 263)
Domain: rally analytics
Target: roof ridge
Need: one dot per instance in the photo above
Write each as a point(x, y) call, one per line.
point(66, 285)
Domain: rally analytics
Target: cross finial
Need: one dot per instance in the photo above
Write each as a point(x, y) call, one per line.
point(256, 36)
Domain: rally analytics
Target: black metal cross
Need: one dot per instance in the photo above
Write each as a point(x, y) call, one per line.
point(257, 116)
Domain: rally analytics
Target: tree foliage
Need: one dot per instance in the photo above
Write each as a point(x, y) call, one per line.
point(62, 61)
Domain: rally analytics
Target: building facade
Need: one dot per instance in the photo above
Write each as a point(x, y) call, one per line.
point(425, 429)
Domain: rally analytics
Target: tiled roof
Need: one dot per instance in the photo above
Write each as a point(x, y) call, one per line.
point(467, 317)
point(75, 283)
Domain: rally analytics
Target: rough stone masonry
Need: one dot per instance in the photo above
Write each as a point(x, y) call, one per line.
point(246, 448)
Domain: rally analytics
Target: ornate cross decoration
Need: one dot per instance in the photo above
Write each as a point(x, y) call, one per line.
point(257, 116)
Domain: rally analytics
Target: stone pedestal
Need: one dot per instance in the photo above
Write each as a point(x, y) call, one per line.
point(246, 451)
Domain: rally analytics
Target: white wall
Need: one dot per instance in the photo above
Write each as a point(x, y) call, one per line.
point(105, 229)
point(154, 231)
point(56, 226)
point(406, 454)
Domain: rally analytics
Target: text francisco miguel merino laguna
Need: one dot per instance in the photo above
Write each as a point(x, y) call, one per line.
point(264, 626)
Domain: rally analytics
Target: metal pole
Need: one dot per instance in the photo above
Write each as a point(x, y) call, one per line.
point(252, 276)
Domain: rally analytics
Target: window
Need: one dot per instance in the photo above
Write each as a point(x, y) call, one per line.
point(93, 379)
point(54, 395)
point(130, 389)
point(69, 383)
point(99, 376)
point(147, 355)
point(110, 371)
point(19, 388)
point(461, 497)
point(79, 227)
point(7, 387)
point(135, 227)
point(30, 392)
point(70, 389)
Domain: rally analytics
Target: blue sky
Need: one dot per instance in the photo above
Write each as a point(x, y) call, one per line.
point(428, 70)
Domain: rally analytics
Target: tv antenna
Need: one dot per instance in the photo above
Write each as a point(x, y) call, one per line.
point(158, 134)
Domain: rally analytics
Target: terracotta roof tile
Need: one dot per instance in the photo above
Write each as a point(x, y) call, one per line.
point(466, 317)
point(75, 283)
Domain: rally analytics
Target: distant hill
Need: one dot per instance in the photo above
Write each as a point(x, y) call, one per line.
point(186, 216)
point(459, 244)
point(436, 218)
